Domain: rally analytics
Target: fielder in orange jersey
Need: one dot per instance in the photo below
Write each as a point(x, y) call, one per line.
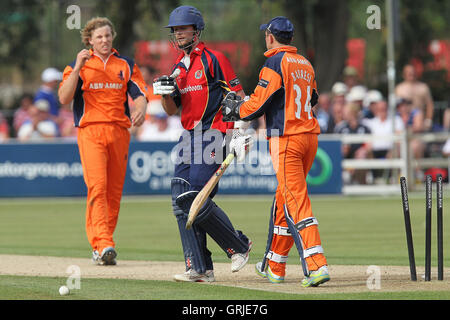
point(98, 82)
point(285, 94)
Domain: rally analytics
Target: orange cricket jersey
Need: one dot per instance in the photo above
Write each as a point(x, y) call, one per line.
point(101, 93)
point(283, 94)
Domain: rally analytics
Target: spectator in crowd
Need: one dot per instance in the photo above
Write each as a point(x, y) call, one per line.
point(22, 113)
point(4, 129)
point(381, 127)
point(446, 120)
point(413, 121)
point(446, 128)
point(65, 123)
point(356, 95)
point(352, 125)
point(50, 79)
point(40, 126)
point(337, 113)
point(412, 118)
point(351, 77)
point(157, 126)
point(338, 91)
point(323, 113)
point(418, 93)
point(369, 103)
point(446, 148)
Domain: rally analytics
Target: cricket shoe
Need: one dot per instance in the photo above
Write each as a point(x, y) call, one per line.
point(107, 258)
point(193, 276)
point(267, 273)
point(96, 257)
point(239, 260)
point(316, 277)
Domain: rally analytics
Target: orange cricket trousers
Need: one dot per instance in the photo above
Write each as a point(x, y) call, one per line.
point(292, 158)
point(103, 151)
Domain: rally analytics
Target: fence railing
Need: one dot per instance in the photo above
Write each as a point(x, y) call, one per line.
point(401, 162)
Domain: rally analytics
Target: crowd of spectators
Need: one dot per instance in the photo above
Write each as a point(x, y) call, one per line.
point(349, 108)
point(352, 108)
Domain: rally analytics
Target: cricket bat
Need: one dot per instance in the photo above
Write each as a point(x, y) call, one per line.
point(207, 189)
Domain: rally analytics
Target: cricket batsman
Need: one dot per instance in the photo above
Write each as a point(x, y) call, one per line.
point(198, 91)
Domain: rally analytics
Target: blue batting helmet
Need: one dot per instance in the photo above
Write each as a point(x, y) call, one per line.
point(185, 16)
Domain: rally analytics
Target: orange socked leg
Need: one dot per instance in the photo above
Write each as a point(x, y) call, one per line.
point(301, 210)
point(94, 159)
point(119, 140)
point(281, 240)
point(296, 155)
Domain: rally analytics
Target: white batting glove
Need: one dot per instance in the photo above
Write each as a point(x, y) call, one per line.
point(164, 85)
point(240, 144)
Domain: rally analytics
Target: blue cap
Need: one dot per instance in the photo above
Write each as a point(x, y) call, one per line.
point(279, 26)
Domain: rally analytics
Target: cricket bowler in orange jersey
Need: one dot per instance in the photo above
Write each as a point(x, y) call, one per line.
point(285, 94)
point(98, 82)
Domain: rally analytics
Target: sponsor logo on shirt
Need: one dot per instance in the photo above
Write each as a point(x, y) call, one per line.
point(107, 85)
point(191, 89)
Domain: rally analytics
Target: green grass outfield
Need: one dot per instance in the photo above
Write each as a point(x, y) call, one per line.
point(354, 231)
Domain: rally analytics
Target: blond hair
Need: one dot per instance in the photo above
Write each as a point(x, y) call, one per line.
point(93, 24)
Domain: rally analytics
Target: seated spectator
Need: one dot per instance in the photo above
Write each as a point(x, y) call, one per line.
point(40, 126)
point(381, 128)
point(352, 125)
point(65, 123)
point(337, 113)
point(446, 120)
point(4, 129)
point(418, 93)
point(22, 113)
point(356, 95)
point(446, 148)
point(323, 113)
point(158, 127)
point(351, 77)
point(50, 79)
point(369, 103)
point(338, 92)
point(413, 121)
point(381, 125)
